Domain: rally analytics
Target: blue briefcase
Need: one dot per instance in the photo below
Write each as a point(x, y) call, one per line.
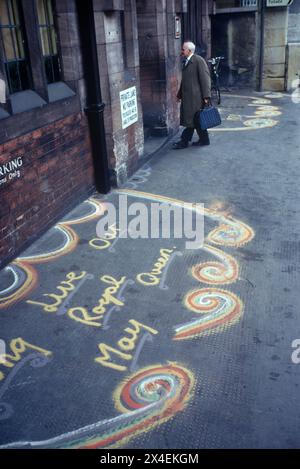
point(209, 117)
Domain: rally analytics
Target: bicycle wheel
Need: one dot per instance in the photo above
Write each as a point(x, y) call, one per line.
point(215, 95)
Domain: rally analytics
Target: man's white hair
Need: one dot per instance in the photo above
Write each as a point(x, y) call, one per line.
point(191, 46)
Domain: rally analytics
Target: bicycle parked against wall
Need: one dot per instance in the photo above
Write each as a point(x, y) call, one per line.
point(215, 83)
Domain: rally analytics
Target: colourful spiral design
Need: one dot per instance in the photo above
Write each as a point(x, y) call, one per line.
point(98, 209)
point(25, 276)
point(149, 398)
point(146, 399)
point(68, 245)
point(233, 233)
point(216, 273)
point(218, 309)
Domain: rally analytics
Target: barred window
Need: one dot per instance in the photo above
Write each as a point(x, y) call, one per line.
point(49, 40)
point(14, 46)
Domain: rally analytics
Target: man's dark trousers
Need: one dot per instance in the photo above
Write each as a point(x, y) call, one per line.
point(188, 132)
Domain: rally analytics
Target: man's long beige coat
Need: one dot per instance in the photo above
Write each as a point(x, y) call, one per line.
point(195, 86)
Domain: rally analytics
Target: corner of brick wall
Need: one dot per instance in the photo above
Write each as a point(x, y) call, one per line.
point(56, 172)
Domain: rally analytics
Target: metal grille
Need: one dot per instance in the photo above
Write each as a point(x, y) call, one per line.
point(248, 3)
point(236, 3)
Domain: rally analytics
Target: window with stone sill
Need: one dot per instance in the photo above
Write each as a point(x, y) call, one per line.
point(49, 40)
point(14, 46)
point(19, 80)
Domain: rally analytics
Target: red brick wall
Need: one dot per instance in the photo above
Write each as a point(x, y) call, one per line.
point(56, 173)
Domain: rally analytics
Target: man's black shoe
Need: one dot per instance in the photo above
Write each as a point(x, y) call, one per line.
point(179, 145)
point(200, 143)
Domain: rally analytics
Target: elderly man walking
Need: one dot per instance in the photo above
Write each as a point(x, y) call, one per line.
point(194, 93)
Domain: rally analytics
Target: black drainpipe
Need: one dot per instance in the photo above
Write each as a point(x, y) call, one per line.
point(95, 106)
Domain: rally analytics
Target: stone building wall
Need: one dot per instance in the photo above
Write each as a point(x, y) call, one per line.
point(275, 42)
point(118, 58)
point(240, 50)
point(159, 52)
point(293, 47)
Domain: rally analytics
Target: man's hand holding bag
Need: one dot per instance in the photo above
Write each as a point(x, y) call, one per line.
point(209, 116)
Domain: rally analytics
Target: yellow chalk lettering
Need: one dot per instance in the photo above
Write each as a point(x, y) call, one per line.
point(111, 280)
point(148, 279)
point(72, 276)
point(58, 300)
point(52, 308)
point(107, 297)
point(127, 344)
point(46, 307)
point(152, 278)
point(4, 360)
point(100, 309)
point(165, 252)
point(139, 326)
point(81, 314)
point(18, 347)
point(158, 269)
point(105, 360)
point(65, 289)
point(103, 243)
